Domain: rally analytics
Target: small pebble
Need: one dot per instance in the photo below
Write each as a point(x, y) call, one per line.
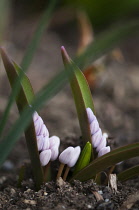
point(89, 206)
point(8, 165)
point(31, 202)
point(106, 200)
point(100, 192)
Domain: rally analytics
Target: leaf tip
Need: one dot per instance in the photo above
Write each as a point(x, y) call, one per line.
point(65, 56)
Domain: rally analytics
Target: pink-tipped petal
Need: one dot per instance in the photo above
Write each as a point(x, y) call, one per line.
point(94, 127)
point(90, 115)
point(75, 156)
point(55, 152)
point(44, 131)
point(96, 138)
point(45, 157)
point(104, 151)
point(102, 143)
point(66, 155)
point(46, 143)
point(54, 140)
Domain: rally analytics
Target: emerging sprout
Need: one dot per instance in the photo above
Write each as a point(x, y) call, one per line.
point(98, 139)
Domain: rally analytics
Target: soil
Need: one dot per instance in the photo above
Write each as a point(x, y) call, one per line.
point(116, 97)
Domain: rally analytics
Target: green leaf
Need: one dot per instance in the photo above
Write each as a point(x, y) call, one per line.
point(105, 161)
point(84, 158)
point(28, 58)
point(81, 93)
point(23, 99)
point(129, 173)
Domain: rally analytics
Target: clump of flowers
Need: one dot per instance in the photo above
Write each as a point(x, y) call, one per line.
point(99, 141)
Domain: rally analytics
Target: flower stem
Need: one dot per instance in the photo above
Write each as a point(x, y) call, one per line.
point(60, 170)
point(66, 173)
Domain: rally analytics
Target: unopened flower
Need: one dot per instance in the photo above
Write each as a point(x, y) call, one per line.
point(70, 156)
point(98, 139)
point(45, 157)
point(104, 151)
point(54, 146)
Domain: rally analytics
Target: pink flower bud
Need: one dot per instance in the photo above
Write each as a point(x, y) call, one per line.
point(90, 115)
point(96, 138)
point(45, 157)
point(74, 157)
point(104, 151)
point(66, 155)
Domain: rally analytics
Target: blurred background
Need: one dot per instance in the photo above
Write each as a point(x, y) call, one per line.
point(113, 79)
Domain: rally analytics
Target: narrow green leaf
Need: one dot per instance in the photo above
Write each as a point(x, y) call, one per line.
point(24, 98)
point(129, 173)
point(38, 34)
point(28, 58)
point(84, 158)
point(105, 161)
point(101, 45)
point(82, 95)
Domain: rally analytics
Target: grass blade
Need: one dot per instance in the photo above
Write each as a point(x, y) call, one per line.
point(38, 34)
point(105, 161)
point(27, 60)
point(129, 173)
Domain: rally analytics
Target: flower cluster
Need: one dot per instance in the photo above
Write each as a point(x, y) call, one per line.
point(98, 139)
point(47, 146)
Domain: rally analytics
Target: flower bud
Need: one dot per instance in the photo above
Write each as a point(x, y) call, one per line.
point(90, 115)
point(38, 125)
point(40, 142)
point(44, 131)
point(35, 116)
point(45, 157)
point(66, 155)
point(74, 157)
point(102, 143)
point(46, 143)
point(104, 151)
point(55, 152)
point(54, 140)
point(94, 127)
point(96, 138)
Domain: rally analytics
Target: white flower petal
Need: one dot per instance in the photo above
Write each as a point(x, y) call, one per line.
point(66, 155)
point(90, 115)
point(75, 156)
point(40, 142)
point(44, 131)
point(55, 152)
point(54, 140)
point(96, 138)
point(45, 157)
point(94, 127)
point(38, 125)
point(35, 116)
point(102, 143)
point(104, 151)
point(46, 143)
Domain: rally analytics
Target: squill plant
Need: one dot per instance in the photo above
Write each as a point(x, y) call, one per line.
point(94, 157)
